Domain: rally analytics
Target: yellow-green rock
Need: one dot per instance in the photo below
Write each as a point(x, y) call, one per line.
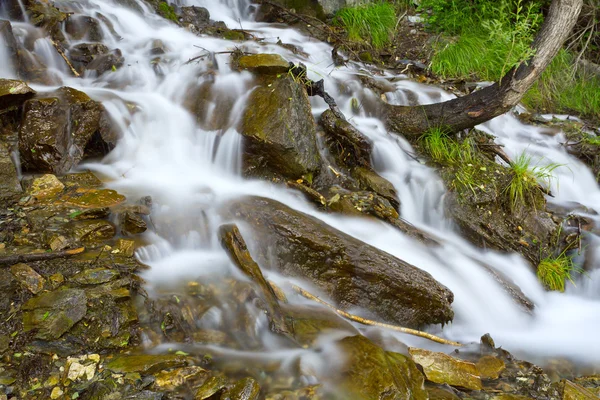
point(124, 247)
point(213, 385)
point(45, 187)
point(145, 363)
point(572, 391)
point(170, 380)
point(264, 63)
point(93, 198)
point(441, 368)
point(490, 367)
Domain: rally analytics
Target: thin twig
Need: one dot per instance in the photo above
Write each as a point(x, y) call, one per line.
point(364, 321)
point(64, 56)
point(23, 258)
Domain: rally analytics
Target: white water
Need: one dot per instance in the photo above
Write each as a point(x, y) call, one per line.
point(189, 171)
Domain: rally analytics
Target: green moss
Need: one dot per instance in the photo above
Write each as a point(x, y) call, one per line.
point(166, 11)
point(373, 22)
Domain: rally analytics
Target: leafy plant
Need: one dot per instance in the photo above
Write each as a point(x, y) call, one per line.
point(554, 272)
point(372, 22)
point(524, 182)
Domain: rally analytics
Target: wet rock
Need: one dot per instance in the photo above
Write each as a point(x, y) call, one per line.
point(145, 363)
point(171, 380)
point(54, 313)
point(13, 93)
point(351, 272)
point(28, 277)
point(81, 179)
point(490, 367)
point(131, 223)
point(199, 17)
point(441, 368)
point(350, 146)
point(212, 386)
point(370, 372)
point(436, 393)
point(55, 129)
point(264, 64)
point(45, 187)
point(370, 180)
point(573, 391)
point(45, 15)
point(132, 5)
point(95, 276)
point(56, 393)
point(310, 322)
point(10, 186)
point(92, 231)
point(81, 27)
point(92, 213)
point(93, 198)
point(245, 389)
point(279, 131)
point(124, 247)
point(84, 53)
point(359, 203)
point(58, 242)
point(106, 62)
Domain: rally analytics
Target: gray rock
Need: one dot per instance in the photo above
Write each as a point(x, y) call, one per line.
point(351, 272)
point(10, 187)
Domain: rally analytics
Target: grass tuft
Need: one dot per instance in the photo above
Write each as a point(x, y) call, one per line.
point(372, 22)
point(554, 272)
point(525, 180)
point(562, 90)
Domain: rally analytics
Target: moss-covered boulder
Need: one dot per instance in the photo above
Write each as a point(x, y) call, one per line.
point(372, 373)
point(351, 272)
point(279, 131)
point(263, 63)
point(56, 128)
point(81, 27)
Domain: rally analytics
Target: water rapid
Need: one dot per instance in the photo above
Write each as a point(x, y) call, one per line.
point(190, 167)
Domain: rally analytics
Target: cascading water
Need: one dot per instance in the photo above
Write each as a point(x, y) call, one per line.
point(190, 167)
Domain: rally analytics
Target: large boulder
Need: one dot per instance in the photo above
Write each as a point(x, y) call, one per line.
point(10, 187)
point(55, 129)
point(351, 272)
point(279, 131)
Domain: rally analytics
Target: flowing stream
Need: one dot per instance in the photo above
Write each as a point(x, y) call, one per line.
point(190, 168)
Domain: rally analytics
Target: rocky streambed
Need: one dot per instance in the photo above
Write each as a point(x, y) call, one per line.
point(286, 298)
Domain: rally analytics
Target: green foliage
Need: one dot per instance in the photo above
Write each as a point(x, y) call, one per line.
point(553, 272)
point(167, 11)
point(372, 22)
point(490, 42)
point(560, 89)
point(524, 181)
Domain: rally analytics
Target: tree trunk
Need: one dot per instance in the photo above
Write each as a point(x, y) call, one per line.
point(480, 106)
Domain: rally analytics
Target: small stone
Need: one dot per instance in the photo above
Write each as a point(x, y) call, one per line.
point(56, 393)
point(441, 368)
point(95, 276)
point(125, 247)
point(56, 280)
point(170, 380)
point(45, 187)
point(58, 242)
point(93, 198)
point(131, 223)
point(490, 367)
point(93, 230)
point(27, 276)
point(212, 385)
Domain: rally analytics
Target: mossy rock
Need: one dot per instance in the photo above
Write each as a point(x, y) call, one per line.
point(372, 373)
point(14, 93)
point(92, 198)
point(443, 369)
point(279, 131)
point(263, 63)
point(145, 363)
